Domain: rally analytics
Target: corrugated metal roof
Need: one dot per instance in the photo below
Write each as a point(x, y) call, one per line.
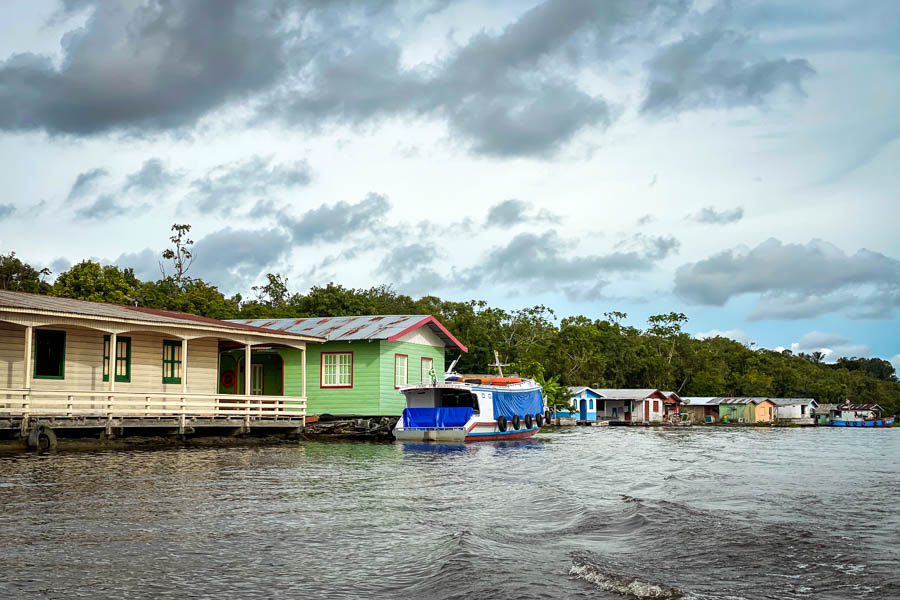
point(36, 302)
point(372, 327)
point(790, 401)
point(849, 406)
point(742, 400)
point(614, 394)
point(701, 400)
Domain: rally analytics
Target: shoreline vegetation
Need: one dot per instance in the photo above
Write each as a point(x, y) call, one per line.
point(572, 350)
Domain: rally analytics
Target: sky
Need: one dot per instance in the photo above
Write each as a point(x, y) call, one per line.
point(734, 161)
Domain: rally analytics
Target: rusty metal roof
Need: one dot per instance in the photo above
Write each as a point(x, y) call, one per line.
point(372, 327)
point(53, 304)
point(756, 400)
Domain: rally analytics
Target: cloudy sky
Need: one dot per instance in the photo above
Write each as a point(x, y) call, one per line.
point(736, 161)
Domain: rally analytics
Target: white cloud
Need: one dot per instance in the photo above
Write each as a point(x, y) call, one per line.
point(738, 335)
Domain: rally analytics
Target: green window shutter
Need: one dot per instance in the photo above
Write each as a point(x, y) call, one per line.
point(49, 354)
point(171, 361)
point(123, 358)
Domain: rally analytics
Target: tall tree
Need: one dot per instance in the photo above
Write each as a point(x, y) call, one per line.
point(18, 276)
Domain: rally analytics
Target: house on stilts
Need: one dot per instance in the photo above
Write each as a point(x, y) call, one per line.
point(363, 362)
point(68, 363)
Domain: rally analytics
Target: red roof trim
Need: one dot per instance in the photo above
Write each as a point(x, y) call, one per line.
point(426, 321)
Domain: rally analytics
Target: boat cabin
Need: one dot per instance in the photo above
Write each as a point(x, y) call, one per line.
point(856, 412)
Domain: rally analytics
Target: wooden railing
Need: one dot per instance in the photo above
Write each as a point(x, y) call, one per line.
point(64, 403)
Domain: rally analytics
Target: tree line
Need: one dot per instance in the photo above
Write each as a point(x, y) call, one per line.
point(573, 350)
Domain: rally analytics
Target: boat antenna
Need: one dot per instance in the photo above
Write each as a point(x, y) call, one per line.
point(498, 364)
point(453, 364)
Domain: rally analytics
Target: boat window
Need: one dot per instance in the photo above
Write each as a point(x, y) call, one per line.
point(459, 399)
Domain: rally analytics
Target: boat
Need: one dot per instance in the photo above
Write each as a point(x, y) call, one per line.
point(472, 408)
point(858, 415)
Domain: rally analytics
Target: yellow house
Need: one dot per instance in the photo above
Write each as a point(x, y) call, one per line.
point(57, 355)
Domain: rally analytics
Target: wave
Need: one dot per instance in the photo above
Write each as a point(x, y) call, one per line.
point(631, 587)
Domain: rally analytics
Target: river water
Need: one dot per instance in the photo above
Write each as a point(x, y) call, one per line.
point(576, 513)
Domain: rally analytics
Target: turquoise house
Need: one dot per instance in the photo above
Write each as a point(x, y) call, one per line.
point(584, 399)
point(357, 371)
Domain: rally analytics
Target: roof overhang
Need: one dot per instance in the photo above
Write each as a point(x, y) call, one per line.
point(449, 340)
point(211, 328)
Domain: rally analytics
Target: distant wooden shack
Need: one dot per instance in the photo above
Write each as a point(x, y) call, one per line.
point(702, 409)
point(634, 405)
point(746, 410)
point(795, 410)
point(585, 400)
point(87, 364)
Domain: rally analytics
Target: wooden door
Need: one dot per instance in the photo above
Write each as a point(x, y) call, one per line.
point(256, 379)
point(582, 413)
point(646, 411)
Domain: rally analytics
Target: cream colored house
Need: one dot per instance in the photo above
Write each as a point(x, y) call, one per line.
point(57, 354)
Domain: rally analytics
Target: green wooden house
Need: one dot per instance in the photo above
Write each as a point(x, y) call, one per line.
point(356, 372)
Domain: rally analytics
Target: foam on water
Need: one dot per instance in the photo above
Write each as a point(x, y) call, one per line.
point(631, 587)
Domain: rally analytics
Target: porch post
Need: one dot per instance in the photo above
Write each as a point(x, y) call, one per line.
point(247, 370)
point(112, 362)
point(184, 365)
point(29, 337)
point(303, 372)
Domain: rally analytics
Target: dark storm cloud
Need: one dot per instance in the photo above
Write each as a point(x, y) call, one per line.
point(546, 261)
point(796, 280)
point(162, 65)
point(338, 221)
point(712, 216)
point(408, 268)
point(85, 182)
point(512, 212)
point(6, 210)
point(233, 258)
point(225, 185)
point(146, 263)
point(107, 206)
point(153, 175)
point(514, 93)
point(157, 66)
point(716, 69)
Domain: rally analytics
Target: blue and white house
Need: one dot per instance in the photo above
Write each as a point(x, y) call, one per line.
point(584, 399)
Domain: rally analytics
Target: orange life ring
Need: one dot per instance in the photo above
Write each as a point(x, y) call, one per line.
point(227, 379)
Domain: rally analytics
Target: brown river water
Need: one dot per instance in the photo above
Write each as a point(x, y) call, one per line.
point(575, 513)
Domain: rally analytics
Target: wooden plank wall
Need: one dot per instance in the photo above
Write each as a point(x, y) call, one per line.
point(84, 362)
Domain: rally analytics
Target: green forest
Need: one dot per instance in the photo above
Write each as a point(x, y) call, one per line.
point(572, 350)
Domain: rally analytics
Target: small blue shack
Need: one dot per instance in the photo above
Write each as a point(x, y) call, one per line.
point(584, 399)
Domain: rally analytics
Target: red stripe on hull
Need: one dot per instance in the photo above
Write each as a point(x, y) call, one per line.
point(501, 436)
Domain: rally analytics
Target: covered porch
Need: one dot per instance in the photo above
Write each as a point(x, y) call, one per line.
point(165, 369)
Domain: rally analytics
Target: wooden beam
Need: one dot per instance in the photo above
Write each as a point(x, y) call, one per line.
point(29, 341)
point(112, 362)
point(184, 365)
point(247, 369)
point(303, 372)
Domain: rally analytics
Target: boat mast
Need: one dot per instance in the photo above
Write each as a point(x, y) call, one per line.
point(498, 364)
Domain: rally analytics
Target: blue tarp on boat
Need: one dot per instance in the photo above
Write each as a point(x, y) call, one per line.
point(509, 403)
point(437, 417)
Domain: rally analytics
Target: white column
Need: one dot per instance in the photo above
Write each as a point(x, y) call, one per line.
point(303, 372)
point(29, 337)
point(247, 370)
point(112, 362)
point(184, 365)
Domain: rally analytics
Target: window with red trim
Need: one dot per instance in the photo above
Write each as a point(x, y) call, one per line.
point(427, 366)
point(401, 370)
point(656, 406)
point(337, 369)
